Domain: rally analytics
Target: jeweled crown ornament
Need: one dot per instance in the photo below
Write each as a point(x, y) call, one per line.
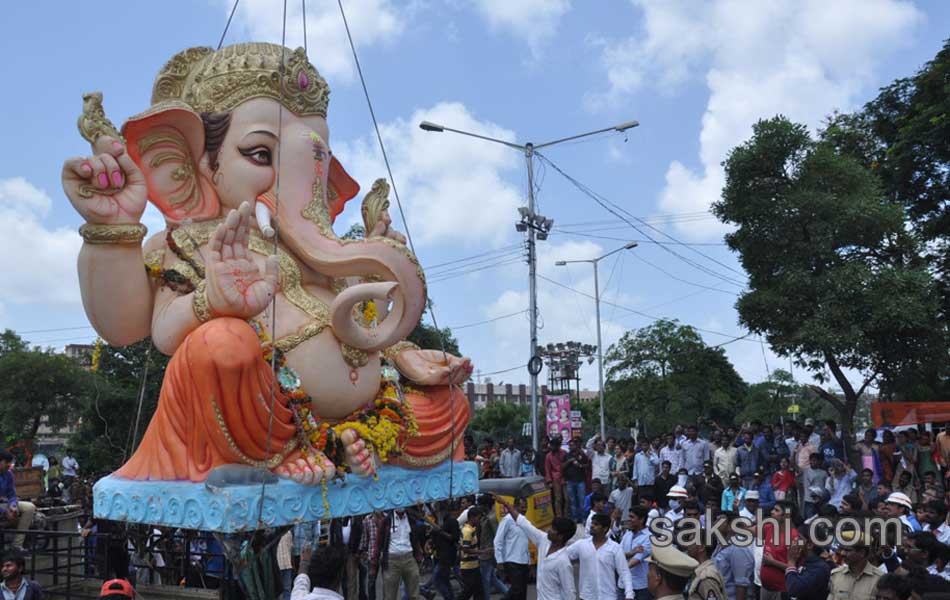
point(218, 81)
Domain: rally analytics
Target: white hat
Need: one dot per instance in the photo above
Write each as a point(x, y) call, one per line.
point(809, 421)
point(901, 499)
point(677, 491)
point(752, 495)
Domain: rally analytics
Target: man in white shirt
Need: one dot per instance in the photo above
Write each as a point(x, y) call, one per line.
point(511, 553)
point(598, 506)
point(602, 563)
point(399, 561)
point(677, 496)
point(673, 453)
point(70, 466)
point(510, 461)
point(555, 572)
point(725, 459)
point(750, 505)
point(600, 464)
point(323, 569)
point(622, 497)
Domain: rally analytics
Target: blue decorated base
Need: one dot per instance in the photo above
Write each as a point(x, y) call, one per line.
point(236, 508)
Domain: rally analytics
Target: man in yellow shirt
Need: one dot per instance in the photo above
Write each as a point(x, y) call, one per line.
point(468, 563)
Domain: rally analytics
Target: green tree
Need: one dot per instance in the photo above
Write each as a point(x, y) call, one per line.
point(768, 401)
point(37, 384)
point(105, 437)
point(903, 137)
point(11, 342)
point(355, 232)
point(427, 337)
point(500, 421)
point(665, 375)
point(834, 279)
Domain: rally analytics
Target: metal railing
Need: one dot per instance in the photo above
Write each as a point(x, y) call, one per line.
point(68, 565)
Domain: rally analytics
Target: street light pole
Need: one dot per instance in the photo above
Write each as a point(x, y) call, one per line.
point(533, 223)
point(600, 345)
point(600, 356)
point(532, 297)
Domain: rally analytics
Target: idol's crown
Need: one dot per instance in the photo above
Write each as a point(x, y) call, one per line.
point(219, 81)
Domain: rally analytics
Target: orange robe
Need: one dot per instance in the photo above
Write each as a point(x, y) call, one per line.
point(214, 410)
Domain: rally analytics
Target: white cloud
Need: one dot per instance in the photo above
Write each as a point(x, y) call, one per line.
point(535, 21)
point(801, 59)
point(453, 187)
point(371, 22)
point(40, 262)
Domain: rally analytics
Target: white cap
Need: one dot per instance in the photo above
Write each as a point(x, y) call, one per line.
point(752, 495)
point(901, 499)
point(677, 491)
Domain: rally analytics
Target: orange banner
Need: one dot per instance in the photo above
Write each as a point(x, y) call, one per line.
point(897, 414)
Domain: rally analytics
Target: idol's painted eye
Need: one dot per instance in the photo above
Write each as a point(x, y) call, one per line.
point(320, 150)
point(260, 155)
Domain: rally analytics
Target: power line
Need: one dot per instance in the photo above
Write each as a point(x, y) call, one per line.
point(486, 321)
point(508, 370)
point(558, 230)
point(680, 279)
point(503, 263)
point(476, 263)
point(613, 208)
point(631, 310)
point(474, 256)
point(52, 330)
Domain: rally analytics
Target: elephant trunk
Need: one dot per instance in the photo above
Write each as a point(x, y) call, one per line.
point(392, 270)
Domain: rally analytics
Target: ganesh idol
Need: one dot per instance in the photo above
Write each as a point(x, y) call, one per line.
point(281, 334)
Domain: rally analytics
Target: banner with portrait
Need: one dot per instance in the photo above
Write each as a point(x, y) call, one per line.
point(558, 416)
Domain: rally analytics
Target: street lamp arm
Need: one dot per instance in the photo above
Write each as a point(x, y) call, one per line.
point(594, 261)
point(621, 127)
point(435, 128)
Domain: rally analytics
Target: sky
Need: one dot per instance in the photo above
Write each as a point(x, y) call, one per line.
point(696, 75)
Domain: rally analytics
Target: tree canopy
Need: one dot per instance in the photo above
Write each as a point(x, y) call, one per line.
point(37, 384)
point(105, 437)
point(664, 375)
point(834, 277)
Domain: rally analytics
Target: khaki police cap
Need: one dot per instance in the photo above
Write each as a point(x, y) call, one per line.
point(673, 561)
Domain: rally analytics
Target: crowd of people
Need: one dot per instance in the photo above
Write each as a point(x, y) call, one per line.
point(611, 499)
point(801, 475)
point(607, 493)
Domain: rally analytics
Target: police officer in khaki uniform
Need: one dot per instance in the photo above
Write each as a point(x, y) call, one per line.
point(856, 578)
point(707, 583)
point(669, 572)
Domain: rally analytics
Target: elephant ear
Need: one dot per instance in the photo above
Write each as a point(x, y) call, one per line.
point(167, 143)
point(342, 188)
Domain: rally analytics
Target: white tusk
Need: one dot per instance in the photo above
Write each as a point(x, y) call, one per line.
point(262, 214)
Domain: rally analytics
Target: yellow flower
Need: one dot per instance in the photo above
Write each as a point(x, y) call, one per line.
point(96, 355)
point(370, 314)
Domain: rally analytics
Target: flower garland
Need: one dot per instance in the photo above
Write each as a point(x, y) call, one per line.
point(370, 313)
point(170, 278)
point(96, 355)
point(385, 427)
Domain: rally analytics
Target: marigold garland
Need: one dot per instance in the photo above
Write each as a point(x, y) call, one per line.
point(370, 313)
point(96, 355)
point(385, 426)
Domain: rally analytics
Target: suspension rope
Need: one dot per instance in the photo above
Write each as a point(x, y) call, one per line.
point(303, 7)
point(228, 24)
point(138, 414)
point(453, 387)
point(273, 310)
